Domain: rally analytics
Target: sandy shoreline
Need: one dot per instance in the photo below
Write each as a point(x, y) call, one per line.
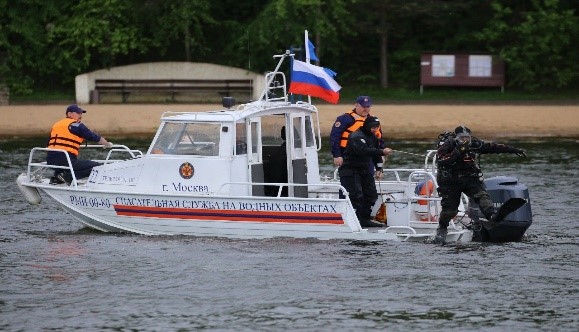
point(398, 121)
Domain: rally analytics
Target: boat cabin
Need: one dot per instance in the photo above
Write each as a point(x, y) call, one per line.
point(248, 150)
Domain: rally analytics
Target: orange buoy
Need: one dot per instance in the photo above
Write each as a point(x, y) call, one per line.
point(426, 190)
point(381, 214)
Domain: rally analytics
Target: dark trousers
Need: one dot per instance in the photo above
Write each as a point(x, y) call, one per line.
point(81, 167)
point(361, 187)
point(450, 189)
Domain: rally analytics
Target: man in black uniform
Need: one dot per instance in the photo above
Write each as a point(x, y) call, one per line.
point(459, 172)
point(355, 175)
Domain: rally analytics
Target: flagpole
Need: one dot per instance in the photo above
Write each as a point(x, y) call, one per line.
point(306, 46)
point(307, 52)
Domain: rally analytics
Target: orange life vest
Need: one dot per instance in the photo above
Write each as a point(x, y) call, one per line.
point(358, 122)
point(61, 138)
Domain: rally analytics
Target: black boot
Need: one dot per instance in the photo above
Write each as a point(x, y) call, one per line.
point(440, 237)
point(60, 178)
point(65, 177)
point(56, 180)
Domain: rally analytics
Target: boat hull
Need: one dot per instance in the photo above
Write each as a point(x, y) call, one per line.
point(251, 217)
point(231, 217)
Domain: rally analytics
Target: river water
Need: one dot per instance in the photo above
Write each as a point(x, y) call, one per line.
point(57, 275)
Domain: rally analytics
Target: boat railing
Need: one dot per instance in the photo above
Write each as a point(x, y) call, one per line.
point(430, 161)
point(116, 149)
point(418, 176)
point(171, 116)
point(337, 187)
point(273, 84)
point(36, 167)
point(430, 200)
point(395, 172)
point(277, 86)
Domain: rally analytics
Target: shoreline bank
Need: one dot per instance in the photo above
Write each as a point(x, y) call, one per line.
point(399, 121)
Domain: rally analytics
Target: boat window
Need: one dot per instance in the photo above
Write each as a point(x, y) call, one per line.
point(201, 139)
point(309, 132)
point(254, 137)
point(271, 130)
point(240, 138)
point(297, 123)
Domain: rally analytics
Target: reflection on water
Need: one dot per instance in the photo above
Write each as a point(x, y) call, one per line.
point(54, 274)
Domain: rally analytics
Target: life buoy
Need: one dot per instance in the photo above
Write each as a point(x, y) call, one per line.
point(425, 189)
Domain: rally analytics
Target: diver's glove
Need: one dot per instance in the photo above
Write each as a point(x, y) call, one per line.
point(520, 152)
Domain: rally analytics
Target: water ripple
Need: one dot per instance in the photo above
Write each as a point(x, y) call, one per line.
point(57, 275)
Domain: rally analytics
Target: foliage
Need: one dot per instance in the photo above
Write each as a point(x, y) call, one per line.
point(23, 34)
point(45, 44)
point(93, 32)
point(281, 24)
point(537, 44)
point(184, 21)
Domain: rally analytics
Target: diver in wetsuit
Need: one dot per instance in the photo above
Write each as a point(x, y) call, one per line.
point(459, 172)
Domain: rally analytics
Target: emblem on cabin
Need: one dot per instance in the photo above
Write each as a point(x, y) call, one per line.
point(186, 170)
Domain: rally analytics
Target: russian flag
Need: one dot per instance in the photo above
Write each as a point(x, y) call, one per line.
point(315, 81)
point(310, 51)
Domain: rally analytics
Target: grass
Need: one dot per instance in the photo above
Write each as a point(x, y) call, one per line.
point(43, 96)
point(379, 95)
point(439, 94)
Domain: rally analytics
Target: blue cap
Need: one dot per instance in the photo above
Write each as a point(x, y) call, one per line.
point(74, 108)
point(364, 101)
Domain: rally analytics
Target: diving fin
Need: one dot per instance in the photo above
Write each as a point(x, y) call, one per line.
point(511, 205)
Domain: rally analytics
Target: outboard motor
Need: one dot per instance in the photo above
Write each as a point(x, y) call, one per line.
point(514, 226)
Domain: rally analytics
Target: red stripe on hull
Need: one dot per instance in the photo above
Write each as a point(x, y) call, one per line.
point(231, 215)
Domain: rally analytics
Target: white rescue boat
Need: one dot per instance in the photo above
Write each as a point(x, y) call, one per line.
point(235, 173)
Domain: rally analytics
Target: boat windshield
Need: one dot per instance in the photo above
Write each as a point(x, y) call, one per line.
point(201, 139)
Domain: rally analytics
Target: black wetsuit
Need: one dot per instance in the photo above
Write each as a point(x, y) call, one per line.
point(355, 175)
point(460, 173)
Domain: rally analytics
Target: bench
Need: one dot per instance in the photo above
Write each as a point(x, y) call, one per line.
point(174, 86)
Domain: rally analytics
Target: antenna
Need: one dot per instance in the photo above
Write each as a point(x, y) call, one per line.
point(248, 51)
point(270, 76)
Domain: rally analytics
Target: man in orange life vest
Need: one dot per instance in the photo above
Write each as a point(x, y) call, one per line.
point(345, 125)
point(356, 177)
point(68, 134)
point(348, 123)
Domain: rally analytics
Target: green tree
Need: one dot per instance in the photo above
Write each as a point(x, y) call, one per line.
point(93, 34)
point(24, 28)
point(178, 28)
point(281, 24)
point(47, 43)
point(538, 44)
point(396, 31)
